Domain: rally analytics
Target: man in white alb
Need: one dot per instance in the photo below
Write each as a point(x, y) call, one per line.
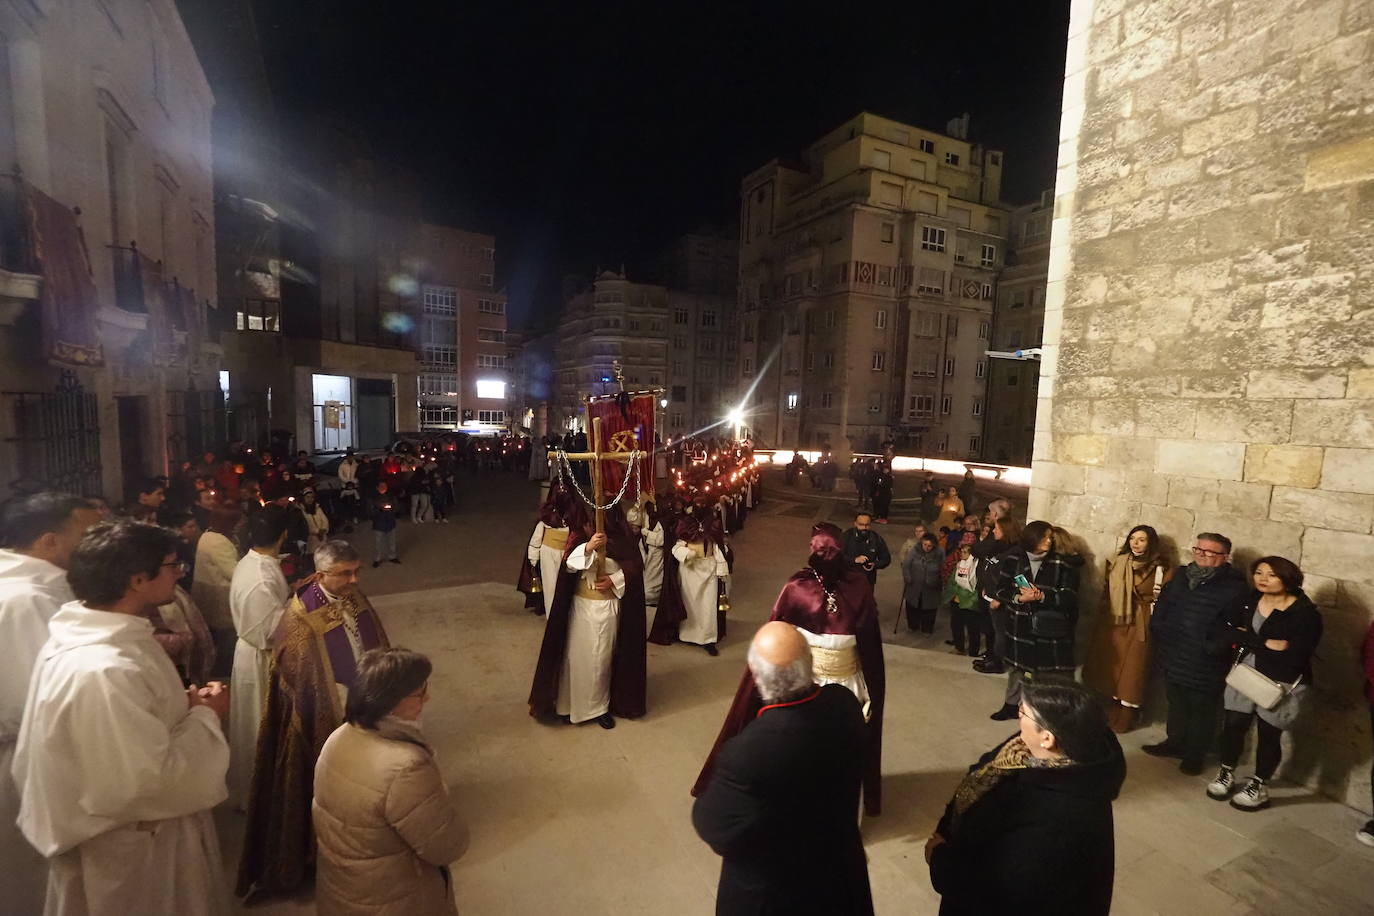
point(258, 594)
point(701, 567)
point(38, 534)
point(117, 764)
point(584, 687)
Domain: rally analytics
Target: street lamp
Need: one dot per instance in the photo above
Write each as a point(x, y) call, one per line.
point(1030, 353)
point(736, 417)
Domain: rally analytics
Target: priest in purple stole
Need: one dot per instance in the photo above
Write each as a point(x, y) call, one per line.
point(328, 624)
point(831, 605)
point(628, 673)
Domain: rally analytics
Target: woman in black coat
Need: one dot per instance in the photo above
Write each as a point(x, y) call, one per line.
point(1029, 830)
point(1275, 631)
point(1042, 615)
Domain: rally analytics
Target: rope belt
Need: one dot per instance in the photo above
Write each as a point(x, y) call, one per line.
point(834, 664)
point(555, 538)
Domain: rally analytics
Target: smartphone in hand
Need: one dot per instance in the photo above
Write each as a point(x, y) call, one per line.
point(1022, 582)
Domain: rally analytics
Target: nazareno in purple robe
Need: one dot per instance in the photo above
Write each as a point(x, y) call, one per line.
point(629, 665)
point(802, 604)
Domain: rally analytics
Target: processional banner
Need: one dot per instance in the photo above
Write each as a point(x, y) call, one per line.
point(623, 417)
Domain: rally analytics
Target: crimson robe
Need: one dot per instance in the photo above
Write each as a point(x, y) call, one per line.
point(802, 604)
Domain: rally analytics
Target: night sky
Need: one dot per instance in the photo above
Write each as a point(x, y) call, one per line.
point(585, 134)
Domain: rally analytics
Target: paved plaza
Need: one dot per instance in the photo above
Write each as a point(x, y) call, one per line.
point(578, 820)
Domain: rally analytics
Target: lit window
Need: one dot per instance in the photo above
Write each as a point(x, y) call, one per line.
point(951, 158)
point(879, 360)
point(792, 400)
point(440, 300)
point(932, 239)
point(928, 146)
point(491, 388)
point(989, 256)
point(880, 318)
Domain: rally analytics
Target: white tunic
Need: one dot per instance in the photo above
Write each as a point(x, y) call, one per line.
point(698, 577)
point(31, 591)
point(584, 684)
point(257, 598)
point(117, 775)
point(653, 563)
point(847, 643)
point(216, 558)
point(548, 559)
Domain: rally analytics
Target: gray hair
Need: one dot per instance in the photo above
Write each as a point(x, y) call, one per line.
point(332, 553)
point(777, 683)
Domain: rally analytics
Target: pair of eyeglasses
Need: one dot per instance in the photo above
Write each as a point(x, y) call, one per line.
point(1202, 552)
point(179, 564)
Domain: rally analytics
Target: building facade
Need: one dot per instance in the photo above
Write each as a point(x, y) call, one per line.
point(108, 356)
point(867, 276)
point(463, 351)
point(1018, 323)
point(1207, 360)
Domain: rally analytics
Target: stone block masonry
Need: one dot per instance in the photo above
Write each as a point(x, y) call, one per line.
point(1211, 328)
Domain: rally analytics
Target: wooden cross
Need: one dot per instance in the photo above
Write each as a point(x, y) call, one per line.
point(596, 456)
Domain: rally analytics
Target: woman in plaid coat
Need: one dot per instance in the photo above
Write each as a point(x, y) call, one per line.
point(1042, 616)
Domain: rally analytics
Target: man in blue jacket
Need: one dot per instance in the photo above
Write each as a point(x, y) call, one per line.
point(1192, 649)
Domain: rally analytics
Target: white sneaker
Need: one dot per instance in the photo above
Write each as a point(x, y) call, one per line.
point(1224, 784)
point(1253, 796)
point(1366, 834)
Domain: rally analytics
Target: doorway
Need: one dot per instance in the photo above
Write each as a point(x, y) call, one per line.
point(132, 426)
point(376, 412)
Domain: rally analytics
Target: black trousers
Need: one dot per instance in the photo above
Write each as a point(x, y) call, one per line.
point(882, 501)
point(982, 618)
point(921, 618)
point(966, 628)
point(1268, 742)
point(1192, 720)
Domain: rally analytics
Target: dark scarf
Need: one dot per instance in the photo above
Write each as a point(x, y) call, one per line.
point(1198, 574)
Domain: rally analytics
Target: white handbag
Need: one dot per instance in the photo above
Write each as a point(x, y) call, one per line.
point(1264, 691)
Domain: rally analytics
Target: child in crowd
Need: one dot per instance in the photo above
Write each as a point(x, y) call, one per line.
point(961, 594)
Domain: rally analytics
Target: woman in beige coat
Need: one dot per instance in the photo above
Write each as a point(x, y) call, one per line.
point(385, 825)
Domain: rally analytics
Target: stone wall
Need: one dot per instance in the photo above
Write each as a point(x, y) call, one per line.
point(1209, 339)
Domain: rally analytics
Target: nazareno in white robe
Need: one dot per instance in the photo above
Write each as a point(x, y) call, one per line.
point(653, 564)
point(697, 577)
point(118, 776)
point(548, 559)
point(257, 598)
point(31, 592)
point(584, 684)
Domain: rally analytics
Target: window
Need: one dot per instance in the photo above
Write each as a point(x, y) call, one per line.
point(951, 158)
point(679, 316)
point(708, 344)
point(921, 405)
point(927, 146)
point(875, 402)
point(828, 399)
point(829, 319)
point(491, 335)
point(923, 365)
point(989, 256)
point(952, 326)
point(975, 445)
point(1013, 339)
point(927, 324)
point(879, 361)
point(980, 369)
point(977, 407)
point(438, 383)
point(491, 388)
point(440, 357)
point(880, 319)
point(679, 341)
point(792, 400)
point(932, 239)
point(491, 306)
point(708, 318)
point(634, 324)
point(828, 362)
point(983, 330)
point(485, 361)
point(748, 366)
point(679, 393)
point(259, 315)
point(491, 416)
point(880, 159)
point(986, 291)
point(927, 202)
point(885, 232)
point(949, 365)
point(749, 329)
point(484, 281)
point(655, 325)
point(488, 254)
point(438, 416)
point(810, 362)
point(942, 444)
point(931, 281)
point(439, 300)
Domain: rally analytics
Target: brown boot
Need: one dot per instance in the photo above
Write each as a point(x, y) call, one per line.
point(1121, 718)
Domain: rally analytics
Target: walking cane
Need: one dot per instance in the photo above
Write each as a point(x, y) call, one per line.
point(901, 606)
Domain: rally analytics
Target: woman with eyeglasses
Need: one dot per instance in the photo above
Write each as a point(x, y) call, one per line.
point(1276, 631)
point(1029, 828)
point(385, 825)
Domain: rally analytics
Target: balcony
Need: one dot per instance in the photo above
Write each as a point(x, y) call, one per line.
point(20, 281)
